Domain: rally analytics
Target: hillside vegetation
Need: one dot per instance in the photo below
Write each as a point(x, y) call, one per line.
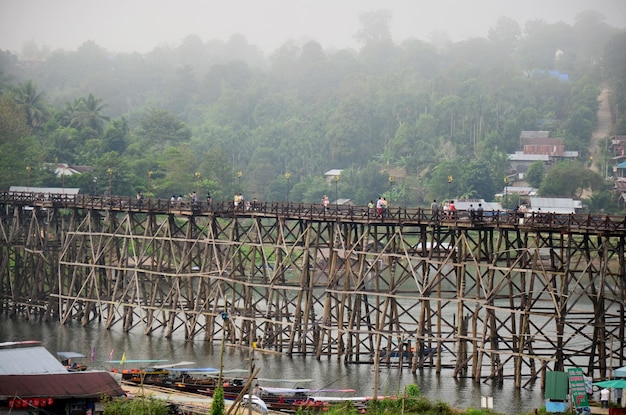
point(398, 118)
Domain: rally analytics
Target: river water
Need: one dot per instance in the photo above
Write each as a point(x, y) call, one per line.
point(325, 373)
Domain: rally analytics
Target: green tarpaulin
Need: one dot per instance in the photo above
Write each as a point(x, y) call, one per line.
point(615, 384)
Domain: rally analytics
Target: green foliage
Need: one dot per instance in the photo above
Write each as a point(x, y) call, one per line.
point(33, 104)
point(217, 405)
point(568, 179)
point(474, 411)
point(163, 128)
point(136, 406)
point(18, 148)
point(408, 404)
point(615, 63)
point(343, 408)
point(412, 391)
point(603, 202)
point(480, 177)
point(535, 174)
point(429, 112)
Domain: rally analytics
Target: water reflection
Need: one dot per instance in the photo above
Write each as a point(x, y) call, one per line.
point(324, 373)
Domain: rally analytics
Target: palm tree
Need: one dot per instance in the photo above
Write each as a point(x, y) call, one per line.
point(89, 114)
point(70, 113)
point(32, 103)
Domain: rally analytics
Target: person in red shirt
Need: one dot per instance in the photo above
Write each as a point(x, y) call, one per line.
point(452, 210)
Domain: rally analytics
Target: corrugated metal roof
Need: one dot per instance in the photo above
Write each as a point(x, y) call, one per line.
point(45, 190)
point(29, 360)
point(534, 134)
point(555, 204)
point(520, 190)
point(333, 172)
point(520, 156)
point(487, 206)
point(60, 386)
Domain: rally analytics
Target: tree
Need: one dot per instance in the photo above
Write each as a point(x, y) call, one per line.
point(568, 179)
point(374, 27)
point(89, 114)
point(505, 35)
point(614, 62)
point(32, 103)
point(479, 176)
point(601, 202)
point(439, 185)
point(217, 405)
point(162, 127)
point(179, 164)
point(17, 146)
point(115, 136)
point(535, 173)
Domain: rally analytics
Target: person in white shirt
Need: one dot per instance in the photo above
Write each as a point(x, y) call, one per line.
point(604, 398)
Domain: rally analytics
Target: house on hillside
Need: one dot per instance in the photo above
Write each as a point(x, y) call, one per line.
point(617, 147)
point(619, 187)
point(519, 162)
point(533, 134)
point(538, 146)
point(332, 174)
point(64, 169)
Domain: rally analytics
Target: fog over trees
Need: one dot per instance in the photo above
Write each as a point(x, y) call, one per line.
point(415, 111)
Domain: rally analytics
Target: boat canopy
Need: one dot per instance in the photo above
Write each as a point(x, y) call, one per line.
point(71, 355)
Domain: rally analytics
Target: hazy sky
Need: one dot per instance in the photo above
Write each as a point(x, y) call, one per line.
point(142, 25)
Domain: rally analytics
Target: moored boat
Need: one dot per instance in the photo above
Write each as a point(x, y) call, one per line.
point(73, 361)
point(292, 399)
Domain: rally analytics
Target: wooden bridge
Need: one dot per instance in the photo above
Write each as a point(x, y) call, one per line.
point(491, 297)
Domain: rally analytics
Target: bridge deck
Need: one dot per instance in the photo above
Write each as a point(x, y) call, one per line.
point(575, 223)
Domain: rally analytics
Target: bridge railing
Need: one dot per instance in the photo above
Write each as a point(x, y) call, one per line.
point(397, 215)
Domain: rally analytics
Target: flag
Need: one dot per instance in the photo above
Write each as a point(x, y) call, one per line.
point(123, 358)
point(93, 353)
point(111, 355)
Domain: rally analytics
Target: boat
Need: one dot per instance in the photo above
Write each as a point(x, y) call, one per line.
point(73, 361)
point(293, 399)
point(394, 355)
point(205, 380)
point(255, 402)
point(158, 375)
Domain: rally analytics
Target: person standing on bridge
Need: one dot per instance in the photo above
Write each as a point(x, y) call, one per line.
point(385, 206)
point(434, 207)
point(479, 212)
point(139, 199)
point(452, 210)
point(325, 202)
point(379, 207)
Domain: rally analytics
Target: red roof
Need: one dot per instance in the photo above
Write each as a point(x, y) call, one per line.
point(60, 385)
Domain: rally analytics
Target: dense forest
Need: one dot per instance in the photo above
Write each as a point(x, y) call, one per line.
point(412, 120)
